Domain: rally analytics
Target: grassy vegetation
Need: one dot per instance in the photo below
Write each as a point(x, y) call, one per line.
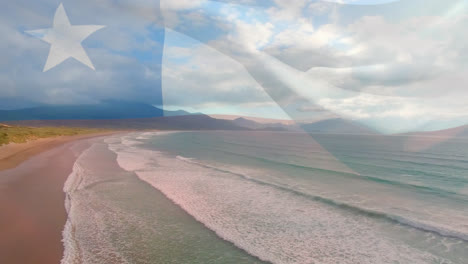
point(9, 134)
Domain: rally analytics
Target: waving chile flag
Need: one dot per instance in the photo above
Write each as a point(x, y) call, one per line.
point(394, 66)
point(389, 66)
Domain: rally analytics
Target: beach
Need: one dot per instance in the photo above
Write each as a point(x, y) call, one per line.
point(39, 225)
point(32, 212)
point(235, 197)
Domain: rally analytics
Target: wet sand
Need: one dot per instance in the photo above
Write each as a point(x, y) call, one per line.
point(32, 211)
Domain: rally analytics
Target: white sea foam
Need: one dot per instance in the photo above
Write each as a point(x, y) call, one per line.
point(71, 254)
point(354, 202)
point(273, 224)
point(84, 236)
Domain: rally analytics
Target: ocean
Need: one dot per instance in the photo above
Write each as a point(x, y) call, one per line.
point(268, 197)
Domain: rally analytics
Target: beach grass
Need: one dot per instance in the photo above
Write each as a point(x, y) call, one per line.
point(18, 134)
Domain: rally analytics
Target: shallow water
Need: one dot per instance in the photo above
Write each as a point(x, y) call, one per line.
point(116, 218)
point(278, 197)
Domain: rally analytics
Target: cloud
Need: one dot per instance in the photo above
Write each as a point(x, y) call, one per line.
point(361, 63)
point(180, 4)
point(288, 10)
point(206, 75)
point(127, 54)
point(199, 78)
point(311, 108)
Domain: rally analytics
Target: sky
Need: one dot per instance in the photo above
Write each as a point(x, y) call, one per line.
point(395, 66)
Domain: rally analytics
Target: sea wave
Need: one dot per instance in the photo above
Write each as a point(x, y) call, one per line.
point(84, 237)
point(72, 251)
point(342, 205)
point(280, 224)
point(343, 173)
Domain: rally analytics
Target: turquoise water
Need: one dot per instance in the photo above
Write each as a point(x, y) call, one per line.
point(247, 197)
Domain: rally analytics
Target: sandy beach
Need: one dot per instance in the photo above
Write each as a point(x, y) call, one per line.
point(32, 212)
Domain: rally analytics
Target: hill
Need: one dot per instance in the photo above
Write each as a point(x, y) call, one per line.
point(251, 124)
point(179, 113)
point(328, 126)
point(104, 110)
point(192, 122)
point(458, 132)
point(337, 126)
point(247, 123)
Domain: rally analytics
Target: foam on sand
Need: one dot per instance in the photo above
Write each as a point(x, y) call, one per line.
point(83, 242)
point(114, 217)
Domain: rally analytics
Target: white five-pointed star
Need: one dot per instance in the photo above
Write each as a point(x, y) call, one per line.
point(65, 40)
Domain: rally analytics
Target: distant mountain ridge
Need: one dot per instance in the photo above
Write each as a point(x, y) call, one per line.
point(337, 126)
point(328, 126)
point(461, 131)
point(179, 113)
point(134, 115)
point(193, 122)
point(244, 122)
point(105, 110)
point(247, 123)
point(113, 115)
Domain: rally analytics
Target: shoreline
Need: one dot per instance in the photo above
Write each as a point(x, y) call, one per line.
point(32, 209)
point(13, 154)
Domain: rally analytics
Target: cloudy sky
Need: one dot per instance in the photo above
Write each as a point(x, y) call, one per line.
point(393, 65)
